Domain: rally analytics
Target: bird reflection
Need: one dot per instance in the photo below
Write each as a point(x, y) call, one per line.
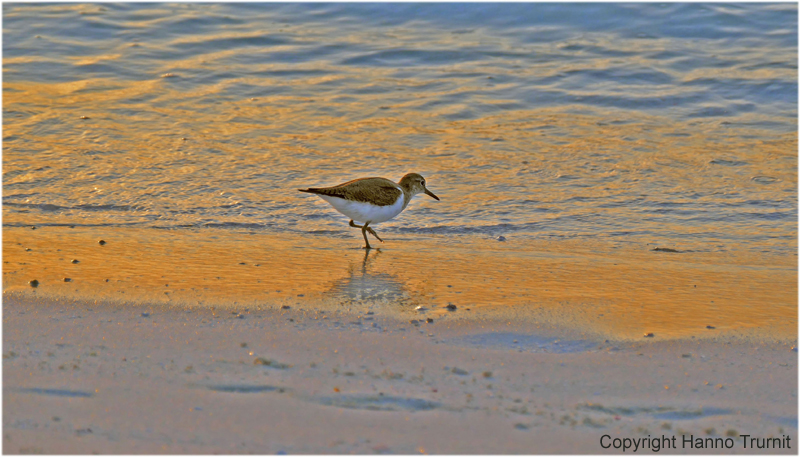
point(363, 286)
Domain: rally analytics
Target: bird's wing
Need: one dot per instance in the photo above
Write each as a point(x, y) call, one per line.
point(378, 191)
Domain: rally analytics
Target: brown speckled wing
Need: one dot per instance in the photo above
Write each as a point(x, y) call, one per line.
point(378, 191)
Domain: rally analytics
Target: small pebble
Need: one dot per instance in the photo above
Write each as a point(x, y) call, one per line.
point(285, 307)
point(168, 75)
point(85, 117)
point(420, 308)
point(145, 314)
point(101, 242)
point(413, 321)
point(244, 345)
point(34, 283)
point(501, 238)
point(429, 320)
point(75, 260)
point(451, 307)
point(67, 279)
point(710, 327)
point(33, 228)
point(459, 371)
point(649, 335)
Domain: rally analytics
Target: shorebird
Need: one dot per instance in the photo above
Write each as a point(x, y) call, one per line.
point(372, 200)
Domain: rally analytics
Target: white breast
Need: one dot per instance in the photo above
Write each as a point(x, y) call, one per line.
point(365, 212)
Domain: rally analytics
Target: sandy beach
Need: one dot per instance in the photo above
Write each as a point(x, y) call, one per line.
point(94, 377)
point(357, 360)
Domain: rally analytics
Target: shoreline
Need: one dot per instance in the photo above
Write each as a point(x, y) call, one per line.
point(102, 377)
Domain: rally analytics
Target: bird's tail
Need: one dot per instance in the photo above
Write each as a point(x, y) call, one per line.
point(330, 192)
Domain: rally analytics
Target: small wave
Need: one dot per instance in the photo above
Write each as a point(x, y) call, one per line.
point(729, 163)
point(224, 43)
point(85, 207)
point(764, 179)
point(237, 225)
point(411, 57)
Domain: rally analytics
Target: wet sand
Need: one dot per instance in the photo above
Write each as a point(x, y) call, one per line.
point(83, 377)
point(605, 290)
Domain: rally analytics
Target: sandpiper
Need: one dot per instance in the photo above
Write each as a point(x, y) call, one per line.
point(372, 200)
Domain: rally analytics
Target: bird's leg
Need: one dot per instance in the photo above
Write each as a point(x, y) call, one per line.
point(364, 232)
point(364, 229)
point(369, 229)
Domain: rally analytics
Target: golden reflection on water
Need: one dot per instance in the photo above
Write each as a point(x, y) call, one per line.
point(613, 291)
point(149, 145)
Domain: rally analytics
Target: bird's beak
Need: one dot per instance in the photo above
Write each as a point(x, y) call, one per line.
point(427, 192)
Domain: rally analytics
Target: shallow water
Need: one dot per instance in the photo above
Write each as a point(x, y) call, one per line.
point(674, 124)
point(638, 125)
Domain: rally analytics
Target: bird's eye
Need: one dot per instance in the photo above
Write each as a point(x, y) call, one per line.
point(423, 182)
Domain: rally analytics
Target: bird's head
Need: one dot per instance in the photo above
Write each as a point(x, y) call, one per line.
point(415, 183)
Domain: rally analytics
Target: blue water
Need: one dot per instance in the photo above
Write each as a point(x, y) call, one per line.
point(673, 124)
